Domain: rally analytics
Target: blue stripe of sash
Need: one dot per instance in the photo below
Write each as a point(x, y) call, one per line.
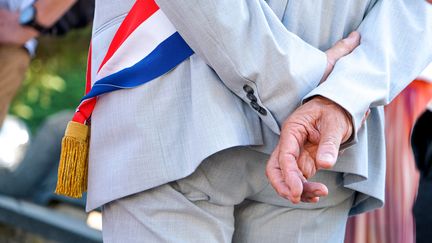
point(162, 59)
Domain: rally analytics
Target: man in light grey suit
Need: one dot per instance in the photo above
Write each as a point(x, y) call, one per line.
point(182, 158)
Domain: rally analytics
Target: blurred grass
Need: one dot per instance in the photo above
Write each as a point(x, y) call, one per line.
point(56, 78)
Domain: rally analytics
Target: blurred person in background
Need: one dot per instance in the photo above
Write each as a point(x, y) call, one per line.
point(394, 222)
point(20, 23)
point(422, 147)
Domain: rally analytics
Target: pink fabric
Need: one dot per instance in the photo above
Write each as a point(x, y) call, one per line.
point(394, 223)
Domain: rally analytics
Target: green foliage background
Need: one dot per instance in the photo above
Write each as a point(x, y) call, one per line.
point(56, 78)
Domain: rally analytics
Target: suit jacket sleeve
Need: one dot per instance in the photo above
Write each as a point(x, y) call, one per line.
point(246, 44)
point(396, 46)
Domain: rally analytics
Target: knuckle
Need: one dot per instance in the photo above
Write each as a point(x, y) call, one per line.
point(269, 166)
point(349, 44)
point(330, 141)
point(269, 175)
point(343, 49)
point(273, 180)
point(343, 43)
point(287, 156)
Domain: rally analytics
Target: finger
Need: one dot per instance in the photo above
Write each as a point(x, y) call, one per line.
point(276, 179)
point(306, 164)
point(313, 191)
point(294, 182)
point(339, 50)
point(292, 178)
point(343, 47)
point(292, 138)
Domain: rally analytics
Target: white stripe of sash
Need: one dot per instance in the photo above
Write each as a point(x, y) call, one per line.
point(139, 44)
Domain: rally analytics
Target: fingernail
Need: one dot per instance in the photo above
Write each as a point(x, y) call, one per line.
point(327, 157)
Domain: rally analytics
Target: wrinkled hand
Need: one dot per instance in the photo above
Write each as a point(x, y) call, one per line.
point(310, 139)
point(11, 32)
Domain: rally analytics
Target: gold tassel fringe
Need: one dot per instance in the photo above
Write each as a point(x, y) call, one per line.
point(73, 167)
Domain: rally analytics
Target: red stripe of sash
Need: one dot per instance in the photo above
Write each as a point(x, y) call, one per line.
point(86, 107)
point(140, 12)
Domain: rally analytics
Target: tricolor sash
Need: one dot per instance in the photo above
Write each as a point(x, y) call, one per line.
point(145, 46)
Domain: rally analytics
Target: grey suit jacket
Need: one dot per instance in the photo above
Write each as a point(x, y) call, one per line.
point(161, 131)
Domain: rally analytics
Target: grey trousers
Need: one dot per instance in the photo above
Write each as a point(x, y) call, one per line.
point(228, 199)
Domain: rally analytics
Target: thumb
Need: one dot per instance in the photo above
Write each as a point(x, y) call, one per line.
point(328, 148)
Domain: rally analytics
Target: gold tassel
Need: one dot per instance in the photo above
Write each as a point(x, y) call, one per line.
point(73, 167)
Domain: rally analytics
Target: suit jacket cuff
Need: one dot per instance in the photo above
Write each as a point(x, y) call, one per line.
point(344, 96)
